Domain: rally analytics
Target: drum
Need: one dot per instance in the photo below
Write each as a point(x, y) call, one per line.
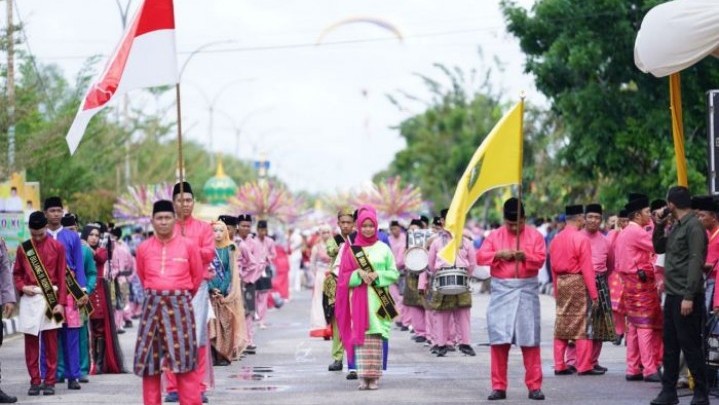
point(451, 281)
point(416, 259)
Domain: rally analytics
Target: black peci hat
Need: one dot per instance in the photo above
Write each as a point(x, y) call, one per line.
point(37, 220)
point(593, 208)
point(186, 188)
point(572, 210)
point(163, 206)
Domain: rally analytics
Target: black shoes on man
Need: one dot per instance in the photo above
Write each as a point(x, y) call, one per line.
point(335, 366)
point(536, 395)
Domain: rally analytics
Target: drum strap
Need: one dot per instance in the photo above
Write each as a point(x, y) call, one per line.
point(42, 279)
point(387, 308)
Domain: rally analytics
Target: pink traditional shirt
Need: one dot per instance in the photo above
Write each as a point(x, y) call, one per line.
point(601, 251)
point(398, 246)
point(466, 257)
point(171, 265)
point(247, 261)
point(713, 252)
point(267, 251)
point(122, 261)
point(571, 253)
point(634, 250)
point(531, 242)
point(200, 233)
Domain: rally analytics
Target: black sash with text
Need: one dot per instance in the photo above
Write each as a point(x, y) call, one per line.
point(74, 288)
point(42, 279)
point(387, 309)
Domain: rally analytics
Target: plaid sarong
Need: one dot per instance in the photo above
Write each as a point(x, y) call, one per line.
point(166, 336)
point(572, 308)
point(602, 319)
point(369, 357)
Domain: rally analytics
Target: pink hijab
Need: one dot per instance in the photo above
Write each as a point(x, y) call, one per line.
point(353, 324)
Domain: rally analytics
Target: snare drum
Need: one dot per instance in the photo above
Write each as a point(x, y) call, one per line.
point(451, 281)
point(416, 259)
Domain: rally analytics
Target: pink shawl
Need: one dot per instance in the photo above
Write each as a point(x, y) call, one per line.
point(353, 318)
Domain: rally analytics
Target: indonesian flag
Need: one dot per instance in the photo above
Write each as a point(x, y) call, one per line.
point(146, 57)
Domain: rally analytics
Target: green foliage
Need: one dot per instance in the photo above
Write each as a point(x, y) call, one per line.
point(616, 118)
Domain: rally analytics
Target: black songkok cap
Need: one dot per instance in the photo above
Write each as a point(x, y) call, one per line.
point(703, 203)
point(443, 213)
point(657, 204)
point(593, 208)
point(417, 222)
point(186, 188)
point(424, 219)
point(68, 220)
point(117, 231)
point(163, 206)
point(637, 205)
point(636, 196)
point(229, 220)
point(262, 224)
point(437, 221)
point(52, 202)
point(623, 214)
point(37, 220)
point(510, 209)
point(572, 210)
point(393, 223)
point(244, 218)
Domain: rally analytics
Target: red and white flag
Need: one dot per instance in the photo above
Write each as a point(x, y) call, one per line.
point(146, 57)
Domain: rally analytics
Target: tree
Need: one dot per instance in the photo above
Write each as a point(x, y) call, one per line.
point(616, 120)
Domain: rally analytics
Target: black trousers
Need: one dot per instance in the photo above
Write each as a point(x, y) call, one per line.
point(684, 333)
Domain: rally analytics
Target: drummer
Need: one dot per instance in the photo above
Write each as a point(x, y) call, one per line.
point(452, 306)
point(411, 299)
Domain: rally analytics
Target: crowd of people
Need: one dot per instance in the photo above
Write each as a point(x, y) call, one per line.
point(198, 290)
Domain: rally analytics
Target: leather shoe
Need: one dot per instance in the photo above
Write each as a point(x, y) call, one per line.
point(420, 339)
point(34, 390)
point(618, 340)
point(84, 380)
point(467, 349)
point(600, 368)
point(352, 375)
point(434, 349)
point(73, 385)
point(634, 377)
point(442, 351)
point(48, 390)
point(566, 371)
point(654, 378)
point(172, 397)
point(591, 372)
point(537, 395)
point(700, 399)
point(572, 368)
point(335, 366)
point(497, 394)
point(666, 398)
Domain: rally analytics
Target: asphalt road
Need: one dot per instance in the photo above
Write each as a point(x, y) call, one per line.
point(291, 368)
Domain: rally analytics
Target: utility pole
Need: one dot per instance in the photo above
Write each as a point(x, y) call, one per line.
point(10, 91)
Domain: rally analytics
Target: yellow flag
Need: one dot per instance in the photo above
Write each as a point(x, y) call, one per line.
point(675, 105)
point(496, 163)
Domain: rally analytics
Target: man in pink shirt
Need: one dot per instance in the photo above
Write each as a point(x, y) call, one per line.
point(267, 255)
point(513, 312)
point(706, 210)
point(200, 234)
point(450, 307)
point(250, 269)
point(398, 244)
point(573, 276)
point(602, 261)
point(171, 271)
point(634, 261)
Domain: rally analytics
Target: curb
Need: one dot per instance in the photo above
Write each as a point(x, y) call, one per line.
point(9, 326)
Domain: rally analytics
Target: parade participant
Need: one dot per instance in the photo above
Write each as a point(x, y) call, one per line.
point(88, 263)
point(706, 212)
point(267, 255)
point(200, 234)
point(7, 300)
point(573, 277)
point(335, 247)
point(685, 247)
point(398, 243)
point(411, 300)
point(603, 262)
point(635, 264)
point(227, 330)
point(106, 352)
point(250, 271)
point(364, 307)
point(432, 320)
point(38, 259)
point(513, 312)
point(319, 265)
point(230, 222)
point(122, 268)
point(70, 335)
point(170, 267)
point(616, 287)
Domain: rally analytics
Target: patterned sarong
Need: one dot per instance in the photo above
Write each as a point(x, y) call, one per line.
point(329, 295)
point(513, 312)
point(641, 301)
point(602, 319)
point(411, 295)
point(616, 289)
point(166, 336)
point(573, 306)
point(369, 357)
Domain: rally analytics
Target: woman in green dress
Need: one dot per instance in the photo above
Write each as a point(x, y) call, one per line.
point(363, 322)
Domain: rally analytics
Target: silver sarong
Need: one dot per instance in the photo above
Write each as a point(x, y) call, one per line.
point(201, 307)
point(513, 312)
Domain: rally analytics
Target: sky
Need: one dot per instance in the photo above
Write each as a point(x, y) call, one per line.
point(318, 113)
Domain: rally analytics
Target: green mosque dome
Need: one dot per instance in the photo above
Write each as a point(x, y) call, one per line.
point(219, 188)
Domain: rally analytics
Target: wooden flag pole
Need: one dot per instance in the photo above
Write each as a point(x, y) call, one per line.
point(180, 158)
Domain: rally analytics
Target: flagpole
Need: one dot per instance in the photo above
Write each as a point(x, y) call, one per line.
point(180, 164)
point(519, 188)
